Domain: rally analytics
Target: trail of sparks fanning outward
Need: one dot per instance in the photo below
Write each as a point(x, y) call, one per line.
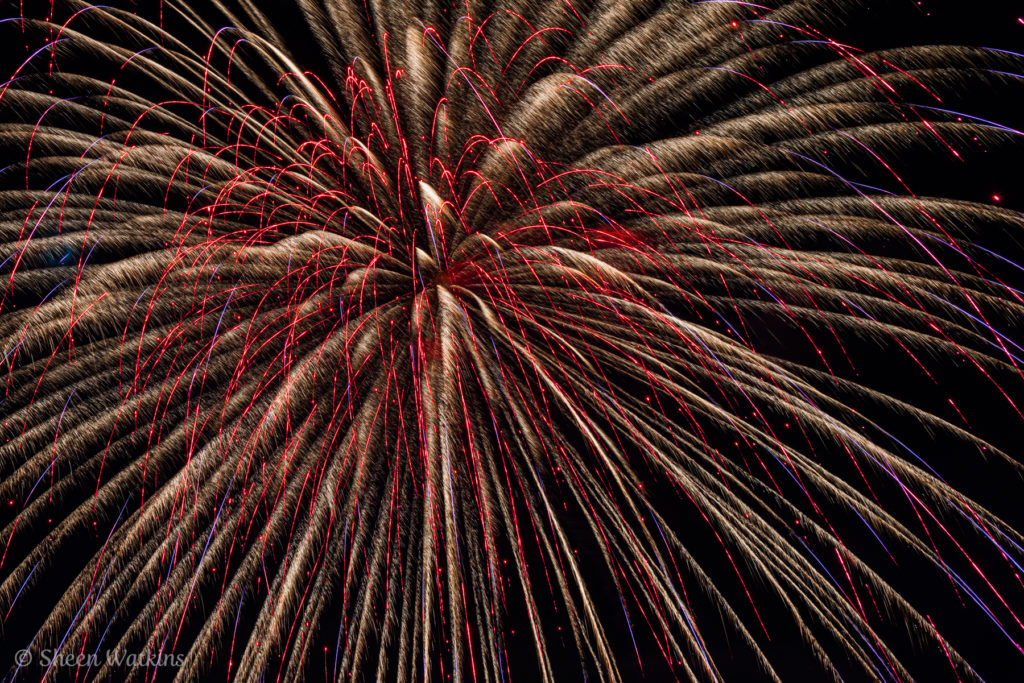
point(437, 340)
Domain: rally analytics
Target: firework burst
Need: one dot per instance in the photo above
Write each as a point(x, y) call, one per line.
point(434, 340)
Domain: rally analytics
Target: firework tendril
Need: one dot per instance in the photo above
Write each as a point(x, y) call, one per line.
point(436, 340)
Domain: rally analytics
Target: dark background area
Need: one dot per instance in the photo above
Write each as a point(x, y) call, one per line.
point(997, 24)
